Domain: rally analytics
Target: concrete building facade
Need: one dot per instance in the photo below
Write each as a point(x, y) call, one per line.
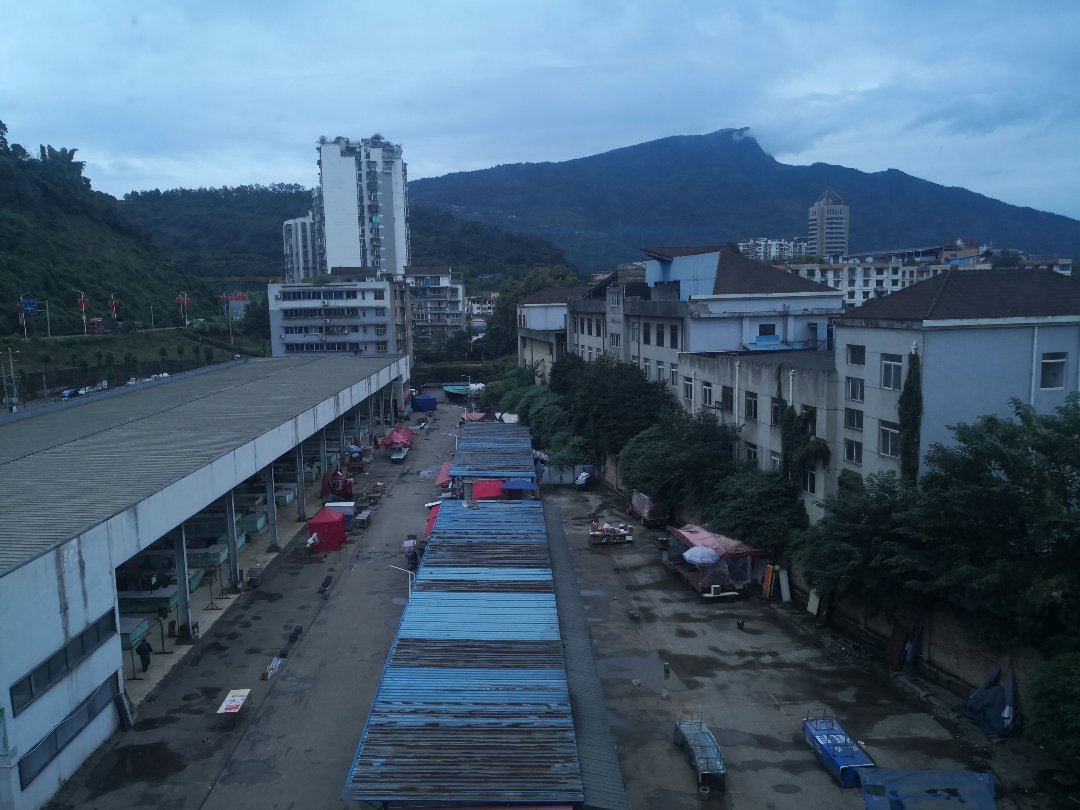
point(542, 327)
point(829, 225)
point(299, 246)
point(437, 305)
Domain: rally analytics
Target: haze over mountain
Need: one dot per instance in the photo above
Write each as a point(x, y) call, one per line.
point(709, 189)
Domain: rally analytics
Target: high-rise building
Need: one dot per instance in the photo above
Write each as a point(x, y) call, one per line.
point(299, 249)
point(829, 225)
point(361, 212)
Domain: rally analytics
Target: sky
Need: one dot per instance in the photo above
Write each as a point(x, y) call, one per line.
point(192, 94)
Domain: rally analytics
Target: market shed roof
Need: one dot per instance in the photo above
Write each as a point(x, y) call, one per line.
point(115, 450)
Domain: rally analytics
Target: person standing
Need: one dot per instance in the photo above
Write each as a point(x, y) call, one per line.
point(144, 650)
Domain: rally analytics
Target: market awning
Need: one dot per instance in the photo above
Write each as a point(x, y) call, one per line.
point(443, 478)
point(487, 490)
point(432, 514)
point(519, 484)
point(399, 435)
point(725, 547)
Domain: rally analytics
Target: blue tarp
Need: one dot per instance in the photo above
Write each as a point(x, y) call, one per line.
point(519, 484)
point(911, 790)
point(424, 402)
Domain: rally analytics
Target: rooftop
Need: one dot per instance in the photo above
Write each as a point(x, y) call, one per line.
point(977, 295)
point(555, 295)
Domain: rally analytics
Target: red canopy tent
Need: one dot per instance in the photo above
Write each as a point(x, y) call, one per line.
point(329, 526)
point(443, 478)
point(726, 547)
point(399, 435)
point(488, 490)
point(434, 513)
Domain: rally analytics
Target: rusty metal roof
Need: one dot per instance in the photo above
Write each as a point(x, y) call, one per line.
point(493, 450)
point(473, 707)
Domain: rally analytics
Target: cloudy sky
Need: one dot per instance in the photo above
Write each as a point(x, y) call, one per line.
point(197, 93)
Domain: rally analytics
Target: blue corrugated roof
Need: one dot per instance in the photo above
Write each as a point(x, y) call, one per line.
point(493, 450)
point(473, 707)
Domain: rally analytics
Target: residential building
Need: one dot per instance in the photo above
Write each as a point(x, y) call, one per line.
point(481, 306)
point(829, 225)
point(361, 209)
point(984, 338)
point(766, 249)
point(352, 312)
point(299, 249)
point(542, 327)
point(1056, 263)
point(437, 305)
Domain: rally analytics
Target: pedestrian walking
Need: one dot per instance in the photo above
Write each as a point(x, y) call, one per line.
point(144, 649)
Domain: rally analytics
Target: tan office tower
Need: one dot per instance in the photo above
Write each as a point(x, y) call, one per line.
point(829, 224)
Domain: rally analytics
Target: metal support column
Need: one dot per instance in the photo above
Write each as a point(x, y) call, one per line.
point(183, 610)
point(301, 509)
point(324, 460)
point(230, 533)
point(271, 509)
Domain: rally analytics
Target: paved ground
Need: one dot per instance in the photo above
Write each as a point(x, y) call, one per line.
point(292, 747)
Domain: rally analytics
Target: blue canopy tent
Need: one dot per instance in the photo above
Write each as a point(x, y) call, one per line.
point(520, 484)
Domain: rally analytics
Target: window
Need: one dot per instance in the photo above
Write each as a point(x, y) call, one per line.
point(688, 389)
point(588, 326)
point(856, 355)
point(855, 389)
point(774, 411)
point(659, 334)
point(853, 419)
point(660, 371)
point(581, 326)
point(751, 454)
point(590, 354)
point(766, 329)
point(727, 398)
point(1053, 370)
point(634, 331)
point(889, 439)
point(615, 340)
point(674, 374)
point(613, 299)
point(852, 451)
point(811, 418)
point(892, 366)
point(27, 689)
point(634, 359)
point(674, 335)
point(774, 460)
point(646, 366)
point(809, 481)
point(706, 394)
point(646, 328)
point(521, 319)
point(750, 405)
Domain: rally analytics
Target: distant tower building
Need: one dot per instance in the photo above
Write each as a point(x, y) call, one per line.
point(829, 224)
point(299, 250)
point(361, 209)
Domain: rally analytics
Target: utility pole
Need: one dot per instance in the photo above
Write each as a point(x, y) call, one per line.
point(14, 383)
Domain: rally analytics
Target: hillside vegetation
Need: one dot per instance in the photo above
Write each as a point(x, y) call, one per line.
point(58, 235)
point(711, 189)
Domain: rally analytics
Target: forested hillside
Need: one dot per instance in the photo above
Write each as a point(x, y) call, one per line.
point(57, 235)
point(236, 233)
point(710, 189)
point(231, 232)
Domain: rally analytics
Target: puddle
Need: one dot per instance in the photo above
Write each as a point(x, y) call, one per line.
point(127, 764)
point(150, 723)
point(648, 670)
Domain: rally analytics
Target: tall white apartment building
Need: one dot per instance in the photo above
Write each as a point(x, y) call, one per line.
point(361, 208)
point(297, 239)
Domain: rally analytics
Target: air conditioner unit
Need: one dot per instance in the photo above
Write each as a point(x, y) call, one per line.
point(277, 296)
point(325, 303)
point(326, 320)
point(282, 335)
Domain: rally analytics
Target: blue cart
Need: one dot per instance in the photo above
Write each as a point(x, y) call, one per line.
point(839, 753)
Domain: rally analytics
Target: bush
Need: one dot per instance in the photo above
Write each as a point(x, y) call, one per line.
point(1055, 705)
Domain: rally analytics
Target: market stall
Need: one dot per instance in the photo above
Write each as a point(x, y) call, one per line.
point(326, 531)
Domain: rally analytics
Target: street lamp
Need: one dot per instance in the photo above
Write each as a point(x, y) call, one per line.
point(14, 383)
point(412, 576)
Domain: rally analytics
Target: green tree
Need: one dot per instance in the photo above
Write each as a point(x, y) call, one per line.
point(861, 548)
point(208, 353)
point(180, 351)
point(762, 509)
point(910, 410)
point(163, 352)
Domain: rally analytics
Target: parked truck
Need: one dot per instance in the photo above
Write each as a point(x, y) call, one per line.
point(648, 511)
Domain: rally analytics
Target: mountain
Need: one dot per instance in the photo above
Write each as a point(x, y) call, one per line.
point(710, 189)
point(235, 233)
point(58, 235)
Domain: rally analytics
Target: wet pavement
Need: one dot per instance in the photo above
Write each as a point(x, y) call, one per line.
point(292, 745)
